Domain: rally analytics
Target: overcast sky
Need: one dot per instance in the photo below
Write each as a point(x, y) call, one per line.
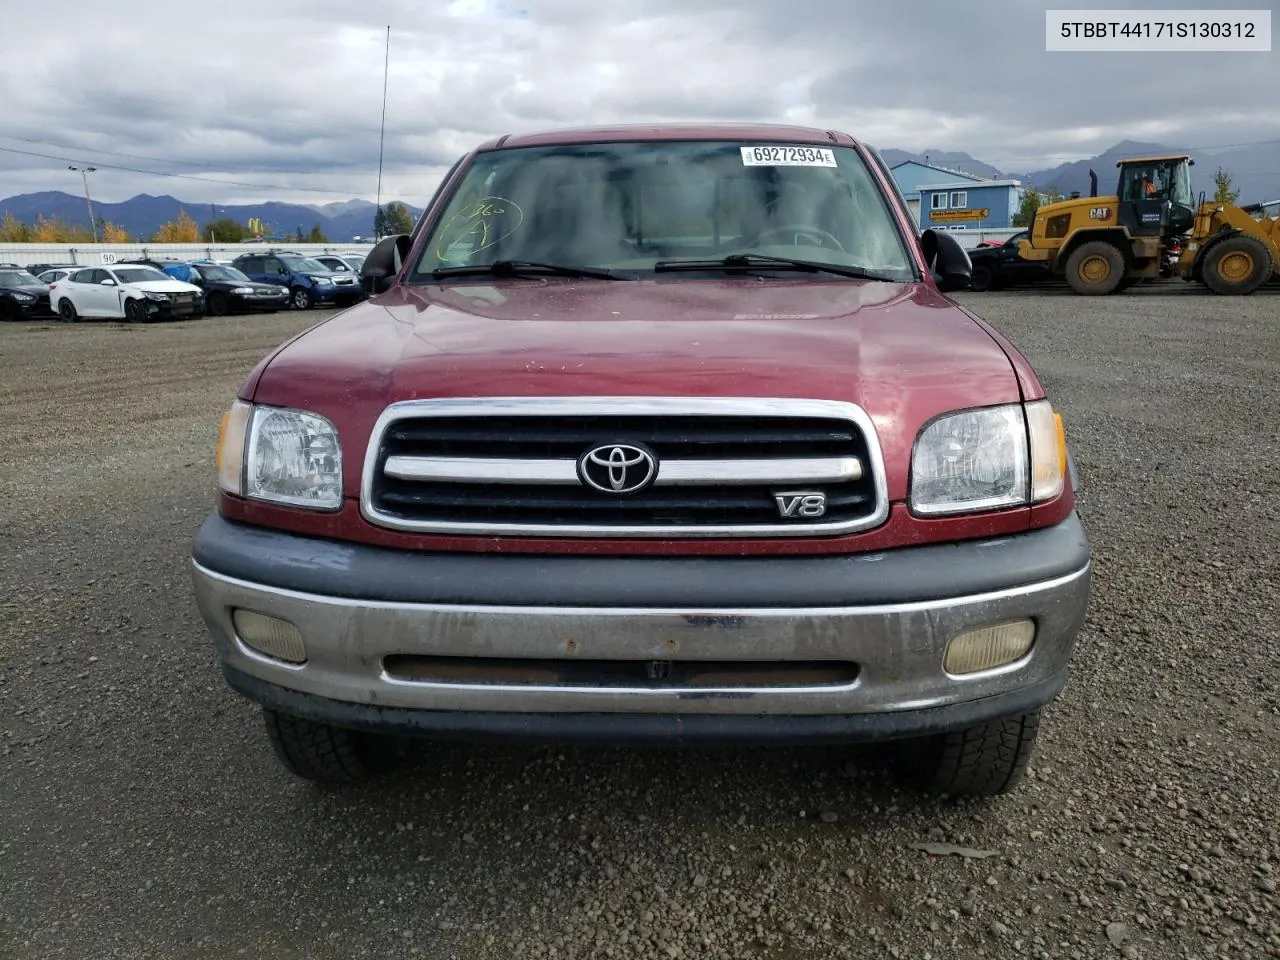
point(284, 98)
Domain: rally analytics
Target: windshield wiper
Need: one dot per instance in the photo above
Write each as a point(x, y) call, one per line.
point(516, 268)
point(747, 261)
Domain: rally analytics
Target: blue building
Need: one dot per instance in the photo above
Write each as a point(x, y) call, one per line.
point(910, 174)
point(970, 205)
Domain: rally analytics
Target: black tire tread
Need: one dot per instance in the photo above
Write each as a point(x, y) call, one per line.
point(985, 760)
point(982, 279)
point(316, 751)
point(1106, 248)
point(1257, 249)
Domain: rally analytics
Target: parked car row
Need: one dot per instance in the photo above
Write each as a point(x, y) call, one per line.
point(148, 289)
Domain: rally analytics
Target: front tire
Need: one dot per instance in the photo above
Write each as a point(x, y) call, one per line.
point(982, 279)
point(9, 311)
point(217, 305)
point(985, 760)
point(135, 311)
point(1237, 266)
point(324, 753)
point(1095, 268)
point(302, 299)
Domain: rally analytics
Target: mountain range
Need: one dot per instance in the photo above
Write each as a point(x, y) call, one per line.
point(1254, 169)
point(143, 215)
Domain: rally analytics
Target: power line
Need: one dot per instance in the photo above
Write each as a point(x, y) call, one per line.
point(130, 156)
point(179, 176)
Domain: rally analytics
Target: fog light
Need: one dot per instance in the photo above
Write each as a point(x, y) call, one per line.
point(988, 647)
point(269, 635)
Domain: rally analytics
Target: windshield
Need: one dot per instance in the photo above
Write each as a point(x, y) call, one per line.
point(222, 273)
point(140, 275)
point(627, 206)
point(1181, 193)
point(304, 265)
point(1159, 180)
point(18, 278)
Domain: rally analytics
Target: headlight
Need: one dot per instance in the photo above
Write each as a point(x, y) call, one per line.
point(23, 297)
point(988, 458)
point(280, 455)
point(322, 280)
point(157, 296)
point(242, 291)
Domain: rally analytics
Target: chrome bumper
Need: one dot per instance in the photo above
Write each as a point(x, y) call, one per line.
point(898, 648)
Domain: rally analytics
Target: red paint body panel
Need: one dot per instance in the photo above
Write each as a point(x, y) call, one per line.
point(903, 352)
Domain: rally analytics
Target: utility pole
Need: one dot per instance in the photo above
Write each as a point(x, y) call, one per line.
point(84, 175)
point(383, 135)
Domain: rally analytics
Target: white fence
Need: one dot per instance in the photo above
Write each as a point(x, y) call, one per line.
point(96, 254)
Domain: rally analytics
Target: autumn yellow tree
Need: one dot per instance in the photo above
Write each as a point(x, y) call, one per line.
point(12, 230)
point(57, 230)
point(182, 230)
point(113, 233)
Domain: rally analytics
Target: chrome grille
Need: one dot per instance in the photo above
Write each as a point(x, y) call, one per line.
point(720, 466)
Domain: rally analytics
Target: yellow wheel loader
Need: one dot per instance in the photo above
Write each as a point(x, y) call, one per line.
point(1104, 244)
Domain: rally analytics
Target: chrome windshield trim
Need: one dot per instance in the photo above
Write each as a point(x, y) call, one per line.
point(630, 406)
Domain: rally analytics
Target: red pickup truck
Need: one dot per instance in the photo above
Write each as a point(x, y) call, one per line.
point(651, 433)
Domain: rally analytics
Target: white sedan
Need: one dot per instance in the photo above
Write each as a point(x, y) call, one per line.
point(134, 293)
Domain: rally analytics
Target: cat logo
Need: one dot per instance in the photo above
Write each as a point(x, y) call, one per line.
point(1099, 213)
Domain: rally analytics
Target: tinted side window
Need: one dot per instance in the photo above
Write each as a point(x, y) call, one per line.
point(83, 276)
point(272, 265)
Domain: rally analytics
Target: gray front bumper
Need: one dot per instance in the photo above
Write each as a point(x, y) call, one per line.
point(355, 605)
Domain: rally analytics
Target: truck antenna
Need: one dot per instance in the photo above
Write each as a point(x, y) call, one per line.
point(383, 135)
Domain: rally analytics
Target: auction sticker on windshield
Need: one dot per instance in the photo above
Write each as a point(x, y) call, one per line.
point(788, 156)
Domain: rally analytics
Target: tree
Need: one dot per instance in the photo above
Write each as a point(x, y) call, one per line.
point(48, 230)
point(224, 230)
point(12, 230)
point(182, 230)
point(392, 219)
point(109, 232)
point(1027, 208)
point(317, 235)
point(1223, 189)
point(1051, 195)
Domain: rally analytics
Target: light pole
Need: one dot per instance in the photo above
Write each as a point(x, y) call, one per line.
point(84, 175)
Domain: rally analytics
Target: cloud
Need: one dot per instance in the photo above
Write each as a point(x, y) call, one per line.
point(284, 100)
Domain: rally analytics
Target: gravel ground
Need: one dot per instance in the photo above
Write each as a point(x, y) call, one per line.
point(143, 815)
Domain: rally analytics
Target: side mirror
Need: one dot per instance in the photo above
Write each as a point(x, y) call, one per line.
point(106, 283)
point(384, 262)
point(948, 261)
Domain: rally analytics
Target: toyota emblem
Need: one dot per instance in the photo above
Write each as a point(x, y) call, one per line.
point(618, 467)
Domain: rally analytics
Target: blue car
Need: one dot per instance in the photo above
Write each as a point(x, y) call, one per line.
point(309, 282)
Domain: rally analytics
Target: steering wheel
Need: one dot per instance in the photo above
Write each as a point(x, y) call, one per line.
point(802, 230)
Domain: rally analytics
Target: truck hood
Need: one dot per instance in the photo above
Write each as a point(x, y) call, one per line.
point(902, 351)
